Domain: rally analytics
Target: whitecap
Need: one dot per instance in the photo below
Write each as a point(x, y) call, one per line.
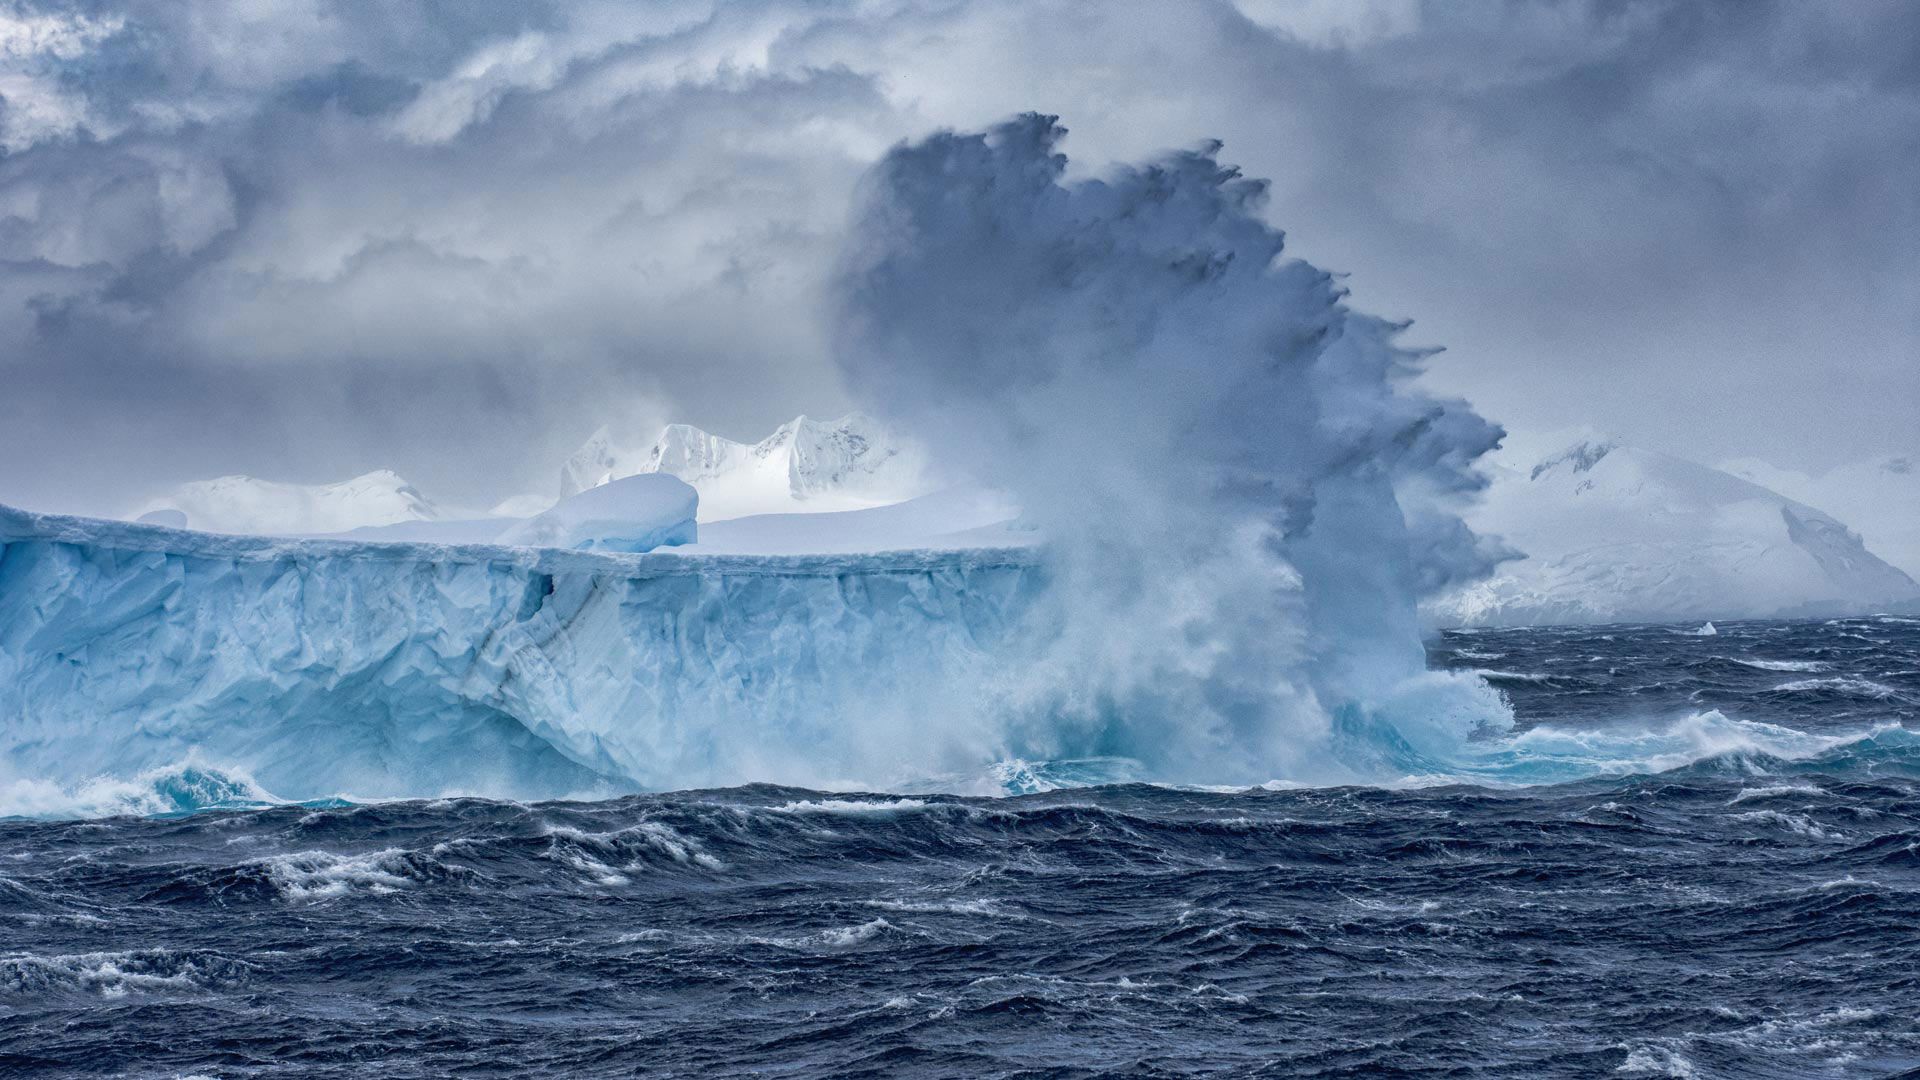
point(1780, 665)
point(323, 875)
point(1794, 823)
point(114, 974)
point(838, 937)
point(1513, 676)
point(1656, 1061)
point(1774, 792)
point(180, 788)
point(1845, 684)
point(851, 806)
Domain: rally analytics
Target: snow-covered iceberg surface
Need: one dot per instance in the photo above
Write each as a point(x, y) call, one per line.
point(632, 514)
point(327, 667)
point(1614, 533)
point(249, 506)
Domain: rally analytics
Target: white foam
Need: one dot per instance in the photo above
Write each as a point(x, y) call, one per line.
point(1845, 684)
point(326, 875)
point(114, 974)
point(1775, 791)
point(1656, 1061)
point(839, 937)
point(648, 834)
point(859, 808)
point(1782, 665)
point(1514, 676)
point(167, 789)
point(1794, 823)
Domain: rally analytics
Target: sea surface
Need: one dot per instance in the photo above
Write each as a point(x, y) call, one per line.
point(1753, 912)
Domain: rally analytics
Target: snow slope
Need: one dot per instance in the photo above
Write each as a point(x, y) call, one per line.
point(323, 667)
point(249, 506)
point(805, 465)
point(1880, 497)
point(1617, 534)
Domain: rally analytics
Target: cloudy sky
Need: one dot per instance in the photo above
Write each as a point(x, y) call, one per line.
point(302, 239)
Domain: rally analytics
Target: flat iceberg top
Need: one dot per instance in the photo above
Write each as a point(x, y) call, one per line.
point(634, 513)
point(25, 525)
point(951, 520)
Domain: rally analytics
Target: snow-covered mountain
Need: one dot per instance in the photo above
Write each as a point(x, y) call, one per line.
point(805, 465)
point(1616, 533)
point(1880, 497)
point(251, 506)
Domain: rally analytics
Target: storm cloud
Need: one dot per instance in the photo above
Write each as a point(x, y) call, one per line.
point(308, 239)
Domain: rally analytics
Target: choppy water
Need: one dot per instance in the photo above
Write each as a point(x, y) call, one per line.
point(1744, 915)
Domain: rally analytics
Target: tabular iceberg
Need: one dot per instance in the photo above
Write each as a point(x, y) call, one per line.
point(328, 667)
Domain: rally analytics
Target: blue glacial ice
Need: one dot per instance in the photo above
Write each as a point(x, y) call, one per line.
point(322, 668)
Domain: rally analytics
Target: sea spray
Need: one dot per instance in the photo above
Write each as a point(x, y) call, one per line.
point(1244, 496)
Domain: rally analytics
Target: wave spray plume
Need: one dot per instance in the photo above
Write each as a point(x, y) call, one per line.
point(1244, 495)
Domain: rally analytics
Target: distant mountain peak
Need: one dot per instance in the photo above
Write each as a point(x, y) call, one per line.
point(1615, 533)
point(805, 464)
point(1582, 456)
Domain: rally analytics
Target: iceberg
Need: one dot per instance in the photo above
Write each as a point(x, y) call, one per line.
point(319, 668)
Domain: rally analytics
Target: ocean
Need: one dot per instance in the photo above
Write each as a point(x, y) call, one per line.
point(1750, 908)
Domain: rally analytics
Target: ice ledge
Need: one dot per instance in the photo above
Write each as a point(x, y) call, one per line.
point(17, 525)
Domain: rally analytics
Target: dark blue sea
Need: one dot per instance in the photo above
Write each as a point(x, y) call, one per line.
point(1749, 910)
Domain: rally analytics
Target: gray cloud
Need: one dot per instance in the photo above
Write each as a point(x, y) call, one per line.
point(453, 238)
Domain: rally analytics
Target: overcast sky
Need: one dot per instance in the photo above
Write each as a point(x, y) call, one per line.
point(308, 238)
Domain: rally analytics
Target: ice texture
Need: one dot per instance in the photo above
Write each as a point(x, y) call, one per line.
point(323, 668)
point(633, 514)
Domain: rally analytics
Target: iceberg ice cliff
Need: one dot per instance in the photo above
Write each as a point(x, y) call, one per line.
point(324, 667)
